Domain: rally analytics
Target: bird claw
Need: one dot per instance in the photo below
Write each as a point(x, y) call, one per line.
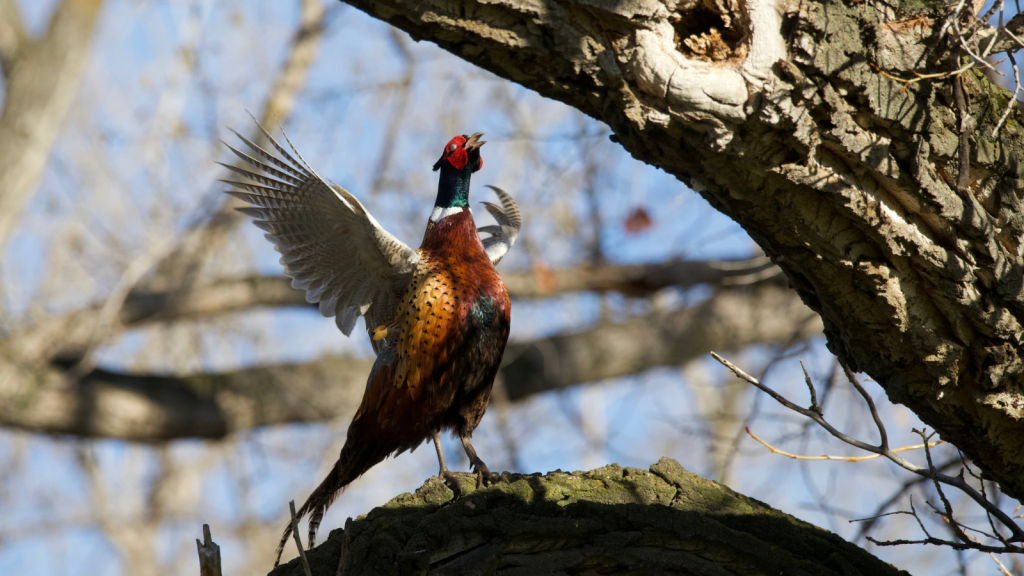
point(484, 477)
point(452, 481)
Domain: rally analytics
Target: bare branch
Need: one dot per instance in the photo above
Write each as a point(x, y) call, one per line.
point(775, 450)
point(150, 408)
point(12, 35)
point(181, 267)
point(298, 539)
point(869, 522)
point(70, 335)
point(883, 449)
point(884, 442)
point(40, 89)
point(637, 279)
point(736, 319)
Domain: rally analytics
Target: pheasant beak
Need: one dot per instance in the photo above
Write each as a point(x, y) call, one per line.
point(473, 142)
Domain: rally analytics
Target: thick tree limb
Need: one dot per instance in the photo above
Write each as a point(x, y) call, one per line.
point(41, 81)
point(841, 173)
point(611, 520)
point(638, 279)
point(67, 336)
point(734, 319)
point(148, 408)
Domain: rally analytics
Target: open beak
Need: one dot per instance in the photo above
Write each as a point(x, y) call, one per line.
point(473, 142)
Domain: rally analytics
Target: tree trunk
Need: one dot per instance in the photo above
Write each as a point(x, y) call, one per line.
point(611, 520)
point(779, 114)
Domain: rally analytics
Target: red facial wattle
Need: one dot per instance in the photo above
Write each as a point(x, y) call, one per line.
point(455, 153)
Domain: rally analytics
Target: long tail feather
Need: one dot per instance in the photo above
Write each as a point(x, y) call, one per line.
point(354, 461)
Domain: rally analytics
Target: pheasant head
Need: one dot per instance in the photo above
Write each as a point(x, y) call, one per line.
point(460, 158)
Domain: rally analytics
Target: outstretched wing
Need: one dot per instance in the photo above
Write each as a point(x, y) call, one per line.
point(503, 236)
point(330, 245)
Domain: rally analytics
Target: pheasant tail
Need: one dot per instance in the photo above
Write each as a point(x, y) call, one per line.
point(355, 459)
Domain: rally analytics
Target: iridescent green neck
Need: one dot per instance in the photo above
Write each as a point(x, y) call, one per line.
point(453, 187)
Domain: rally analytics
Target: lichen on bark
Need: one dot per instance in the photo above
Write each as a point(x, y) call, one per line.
point(611, 520)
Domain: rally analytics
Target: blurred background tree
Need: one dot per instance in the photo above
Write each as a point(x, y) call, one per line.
point(157, 372)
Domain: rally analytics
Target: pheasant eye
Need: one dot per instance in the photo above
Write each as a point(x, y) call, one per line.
point(454, 146)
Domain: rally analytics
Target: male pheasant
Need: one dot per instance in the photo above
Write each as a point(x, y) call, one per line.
point(438, 317)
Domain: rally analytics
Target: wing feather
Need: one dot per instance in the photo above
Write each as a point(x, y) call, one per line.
point(330, 245)
point(504, 235)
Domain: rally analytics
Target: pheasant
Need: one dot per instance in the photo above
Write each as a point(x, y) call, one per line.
point(438, 317)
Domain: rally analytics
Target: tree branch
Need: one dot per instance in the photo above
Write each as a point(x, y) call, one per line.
point(883, 449)
point(734, 319)
point(612, 520)
point(181, 267)
point(149, 408)
point(67, 336)
point(41, 85)
point(12, 35)
point(638, 279)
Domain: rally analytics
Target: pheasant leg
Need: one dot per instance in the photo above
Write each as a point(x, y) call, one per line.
point(444, 472)
point(483, 474)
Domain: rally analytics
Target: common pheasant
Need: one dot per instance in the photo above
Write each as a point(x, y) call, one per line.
point(437, 317)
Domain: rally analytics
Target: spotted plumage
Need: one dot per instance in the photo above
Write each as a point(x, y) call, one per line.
point(438, 317)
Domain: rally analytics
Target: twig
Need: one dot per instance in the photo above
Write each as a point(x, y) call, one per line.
point(1012, 102)
point(810, 388)
point(884, 443)
point(1002, 567)
point(1017, 534)
point(209, 554)
point(918, 76)
point(952, 16)
point(298, 540)
point(938, 488)
point(963, 179)
point(869, 522)
point(775, 450)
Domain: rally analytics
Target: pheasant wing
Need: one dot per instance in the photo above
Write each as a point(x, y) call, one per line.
point(330, 245)
point(504, 234)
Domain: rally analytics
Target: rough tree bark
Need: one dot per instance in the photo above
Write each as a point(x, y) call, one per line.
point(611, 520)
point(777, 113)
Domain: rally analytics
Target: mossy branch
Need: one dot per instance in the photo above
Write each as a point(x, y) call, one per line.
point(612, 520)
